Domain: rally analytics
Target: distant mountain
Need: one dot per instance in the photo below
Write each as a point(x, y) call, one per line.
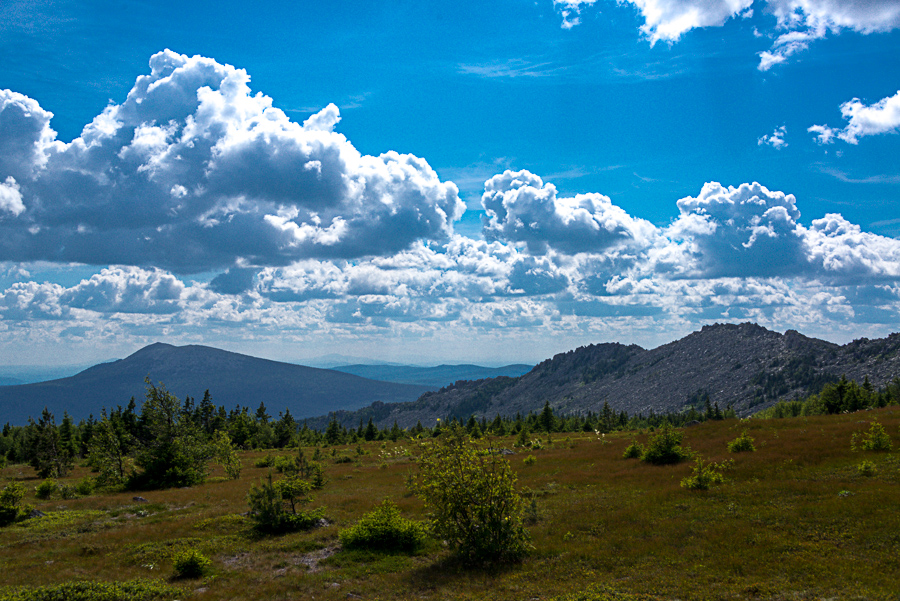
point(232, 379)
point(434, 377)
point(335, 360)
point(27, 374)
point(746, 366)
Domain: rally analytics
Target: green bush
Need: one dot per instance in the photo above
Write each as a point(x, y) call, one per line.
point(85, 486)
point(866, 468)
point(383, 529)
point(134, 590)
point(876, 439)
point(741, 444)
point(530, 460)
point(10, 498)
point(275, 506)
point(633, 451)
point(267, 461)
point(190, 564)
point(704, 475)
point(46, 489)
point(67, 491)
point(471, 499)
point(665, 447)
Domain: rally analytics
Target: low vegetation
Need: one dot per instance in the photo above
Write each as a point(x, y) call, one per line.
point(384, 529)
point(811, 513)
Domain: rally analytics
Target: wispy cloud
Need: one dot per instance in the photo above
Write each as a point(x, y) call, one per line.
point(513, 68)
point(871, 179)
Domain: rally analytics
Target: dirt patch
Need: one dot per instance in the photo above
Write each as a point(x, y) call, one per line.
point(311, 560)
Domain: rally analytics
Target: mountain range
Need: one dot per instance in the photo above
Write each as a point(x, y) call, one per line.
point(231, 378)
point(434, 377)
point(744, 365)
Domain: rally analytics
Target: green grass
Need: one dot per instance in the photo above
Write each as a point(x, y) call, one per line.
point(606, 528)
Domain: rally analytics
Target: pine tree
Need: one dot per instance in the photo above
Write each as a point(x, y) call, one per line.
point(547, 420)
point(48, 455)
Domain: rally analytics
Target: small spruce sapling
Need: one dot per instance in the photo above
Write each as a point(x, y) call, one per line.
point(876, 439)
point(741, 444)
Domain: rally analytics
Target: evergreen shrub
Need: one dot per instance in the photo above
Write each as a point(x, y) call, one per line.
point(633, 451)
point(276, 506)
point(384, 529)
point(46, 489)
point(665, 447)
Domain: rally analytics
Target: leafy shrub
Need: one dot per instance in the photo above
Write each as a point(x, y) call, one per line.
point(284, 465)
point(876, 439)
point(866, 468)
point(275, 506)
point(10, 498)
point(633, 451)
point(383, 529)
point(665, 447)
point(343, 459)
point(471, 499)
point(267, 461)
point(67, 491)
point(741, 444)
point(190, 564)
point(224, 453)
point(704, 475)
point(85, 486)
point(46, 489)
point(530, 460)
point(134, 590)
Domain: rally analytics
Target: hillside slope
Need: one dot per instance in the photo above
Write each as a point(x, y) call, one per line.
point(232, 379)
point(745, 366)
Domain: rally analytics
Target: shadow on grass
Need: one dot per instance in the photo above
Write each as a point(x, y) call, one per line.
point(449, 570)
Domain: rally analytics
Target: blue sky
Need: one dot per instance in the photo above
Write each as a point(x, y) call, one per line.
point(483, 182)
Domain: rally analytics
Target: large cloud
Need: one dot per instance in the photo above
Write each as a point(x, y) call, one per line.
point(863, 120)
point(799, 22)
point(194, 172)
point(520, 207)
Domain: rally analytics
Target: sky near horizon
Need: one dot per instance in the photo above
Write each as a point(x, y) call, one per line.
point(433, 182)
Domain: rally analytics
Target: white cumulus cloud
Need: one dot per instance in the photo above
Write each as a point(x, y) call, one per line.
point(882, 117)
point(775, 139)
point(798, 22)
point(194, 172)
point(520, 207)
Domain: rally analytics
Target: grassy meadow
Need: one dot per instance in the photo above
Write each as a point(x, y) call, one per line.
point(794, 520)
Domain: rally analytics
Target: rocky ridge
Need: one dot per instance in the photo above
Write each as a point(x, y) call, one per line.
point(744, 365)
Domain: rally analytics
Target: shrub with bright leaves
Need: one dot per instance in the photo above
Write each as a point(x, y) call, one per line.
point(741, 444)
point(46, 489)
point(10, 498)
point(866, 468)
point(191, 564)
point(633, 451)
point(876, 439)
point(384, 529)
point(705, 474)
point(276, 506)
point(471, 499)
